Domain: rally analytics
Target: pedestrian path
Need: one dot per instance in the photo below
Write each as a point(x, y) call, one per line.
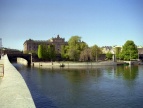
point(14, 92)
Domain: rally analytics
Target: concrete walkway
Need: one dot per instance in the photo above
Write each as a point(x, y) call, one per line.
point(14, 92)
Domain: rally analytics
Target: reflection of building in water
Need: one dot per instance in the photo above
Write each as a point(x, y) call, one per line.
point(32, 45)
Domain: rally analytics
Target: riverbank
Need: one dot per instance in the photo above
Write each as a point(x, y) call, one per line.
point(73, 64)
point(13, 89)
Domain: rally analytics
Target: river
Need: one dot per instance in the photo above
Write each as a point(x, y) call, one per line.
point(97, 87)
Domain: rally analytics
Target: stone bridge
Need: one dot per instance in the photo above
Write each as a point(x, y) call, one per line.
point(13, 57)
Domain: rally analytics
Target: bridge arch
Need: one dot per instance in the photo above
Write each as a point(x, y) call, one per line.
point(13, 57)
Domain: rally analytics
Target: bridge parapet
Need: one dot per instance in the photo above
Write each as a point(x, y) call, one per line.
point(13, 57)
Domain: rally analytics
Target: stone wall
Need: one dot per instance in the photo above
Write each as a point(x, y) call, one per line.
point(73, 64)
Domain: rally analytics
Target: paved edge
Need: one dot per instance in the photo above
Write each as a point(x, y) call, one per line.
point(14, 92)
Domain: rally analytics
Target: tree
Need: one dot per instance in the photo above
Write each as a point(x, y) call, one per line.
point(64, 51)
point(40, 51)
point(46, 52)
point(74, 42)
point(83, 46)
point(129, 50)
point(109, 55)
point(73, 54)
point(51, 51)
point(74, 47)
point(117, 52)
point(121, 56)
point(95, 51)
point(86, 55)
point(43, 52)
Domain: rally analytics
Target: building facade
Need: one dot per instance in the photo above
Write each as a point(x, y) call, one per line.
point(106, 49)
point(32, 45)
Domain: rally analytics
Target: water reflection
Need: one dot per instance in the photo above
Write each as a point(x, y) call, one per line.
point(109, 86)
point(127, 72)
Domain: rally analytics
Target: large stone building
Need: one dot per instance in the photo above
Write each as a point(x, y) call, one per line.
point(32, 45)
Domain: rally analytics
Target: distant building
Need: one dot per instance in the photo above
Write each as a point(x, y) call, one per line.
point(106, 49)
point(140, 50)
point(110, 49)
point(32, 45)
point(11, 51)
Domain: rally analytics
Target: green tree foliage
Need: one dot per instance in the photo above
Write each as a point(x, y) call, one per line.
point(117, 52)
point(46, 52)
point(40, 51)
point(95, 51)
point(121, 56)
point(51, 51)
point(129, 51)
point(43, 52)
point(109, 55)
point(75, 46)
point(64, 51)
point(73, 54)
point(74, 42)
point(83, 46)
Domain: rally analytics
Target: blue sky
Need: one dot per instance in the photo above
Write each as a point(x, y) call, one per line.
point(101, 22)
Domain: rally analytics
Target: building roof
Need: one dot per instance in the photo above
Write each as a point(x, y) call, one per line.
point(140, 50)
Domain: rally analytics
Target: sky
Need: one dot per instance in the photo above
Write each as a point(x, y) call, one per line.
point(100, 22)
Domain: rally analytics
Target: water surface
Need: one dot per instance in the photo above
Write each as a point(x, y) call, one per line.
point(96, 87)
